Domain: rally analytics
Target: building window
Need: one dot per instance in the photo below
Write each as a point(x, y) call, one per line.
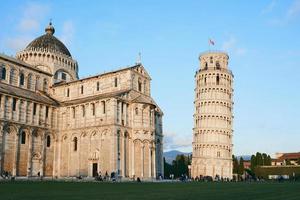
point(136, 111)
point(103, 106)
point(63, 76)
point(205, 81)
point(14, 104)
point(21, 79)
point(205, 66)
point(83, 111)
point(140, 86)
point(74, 112)
point(145, 86)
point(12, 76)
point(75, 143)
point(48, 141)
point(29, 82)
point(116, 82)
point(218, 79)
point(98, 86)
point(68, 92)
point(81, 89)
point(37, 83)
point(218, 65)
point(34, 108)
point(47, 111)
point(3, 73)
point(218, 154)
point(45, 85)
point(23, 137)
point(93, 109)
point(211, 59)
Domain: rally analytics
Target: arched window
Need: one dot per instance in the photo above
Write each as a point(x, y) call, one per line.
point(139, 85)
point(98, 86)
point(3, 73)
point(75, 143)
point(93, 109)
point(218, 79)
point(48, 141)
point(81, 89)
point(74, 112)
point(218, 65)
point(14, 104)
point(21, 81)
point(23, 137)
point(136, 111)
point(37, 83)
point(12, 76)
point(144, 86)
point(205, 66)
point(116, 82)
point(103, 107)
point(29, 82)
point(83, 111)
point(205, 81)
point(45, 85)
point(211, 59)
point(68, 92)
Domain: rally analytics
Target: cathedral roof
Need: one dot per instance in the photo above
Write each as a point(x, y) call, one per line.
point(27, 94)
point(49, 42)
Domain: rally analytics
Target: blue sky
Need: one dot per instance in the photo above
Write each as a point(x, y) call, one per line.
point(261, 38)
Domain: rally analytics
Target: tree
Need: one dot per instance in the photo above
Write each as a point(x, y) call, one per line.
point(235, 164)
point(167, 169)
point(259, 159)
point(264, 159)
point(253, 162)
point(241, 166)
point(269, 160)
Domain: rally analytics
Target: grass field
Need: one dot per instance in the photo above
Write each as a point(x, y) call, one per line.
point(144, 191)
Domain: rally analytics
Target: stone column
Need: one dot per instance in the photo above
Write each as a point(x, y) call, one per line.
point(9, 108)
point(154, 162)
point(17, 112)
point(125, 114)
point(17, 147)
point(1, 143)
point(142, 159)
point(150, 160)
point(132, 158)
point(57, 159)
point(2, 106)
point(42, 165)
point(120, 117)
point(29, 159)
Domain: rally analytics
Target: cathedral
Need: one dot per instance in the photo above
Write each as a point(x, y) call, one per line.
point(54, 124)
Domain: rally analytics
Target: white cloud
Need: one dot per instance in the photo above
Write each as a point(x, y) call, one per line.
point(17, 43)
point(292, 12)
point(269, 8)
point(30, 18)
point(294, 9)
point(32, 14)
point(67, 32)
point(175, 141)
point(231, 45)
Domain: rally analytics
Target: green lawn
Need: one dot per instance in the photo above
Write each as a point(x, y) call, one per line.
point(144, 191)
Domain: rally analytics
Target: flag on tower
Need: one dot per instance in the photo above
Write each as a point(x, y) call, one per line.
point(211, 42)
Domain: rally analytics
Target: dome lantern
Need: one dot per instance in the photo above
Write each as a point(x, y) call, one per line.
point(50, 29)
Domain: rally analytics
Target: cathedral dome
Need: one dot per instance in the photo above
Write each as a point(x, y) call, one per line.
point(49, 43)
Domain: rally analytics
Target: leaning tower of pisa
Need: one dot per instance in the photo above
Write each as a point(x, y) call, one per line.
point(212, 133)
